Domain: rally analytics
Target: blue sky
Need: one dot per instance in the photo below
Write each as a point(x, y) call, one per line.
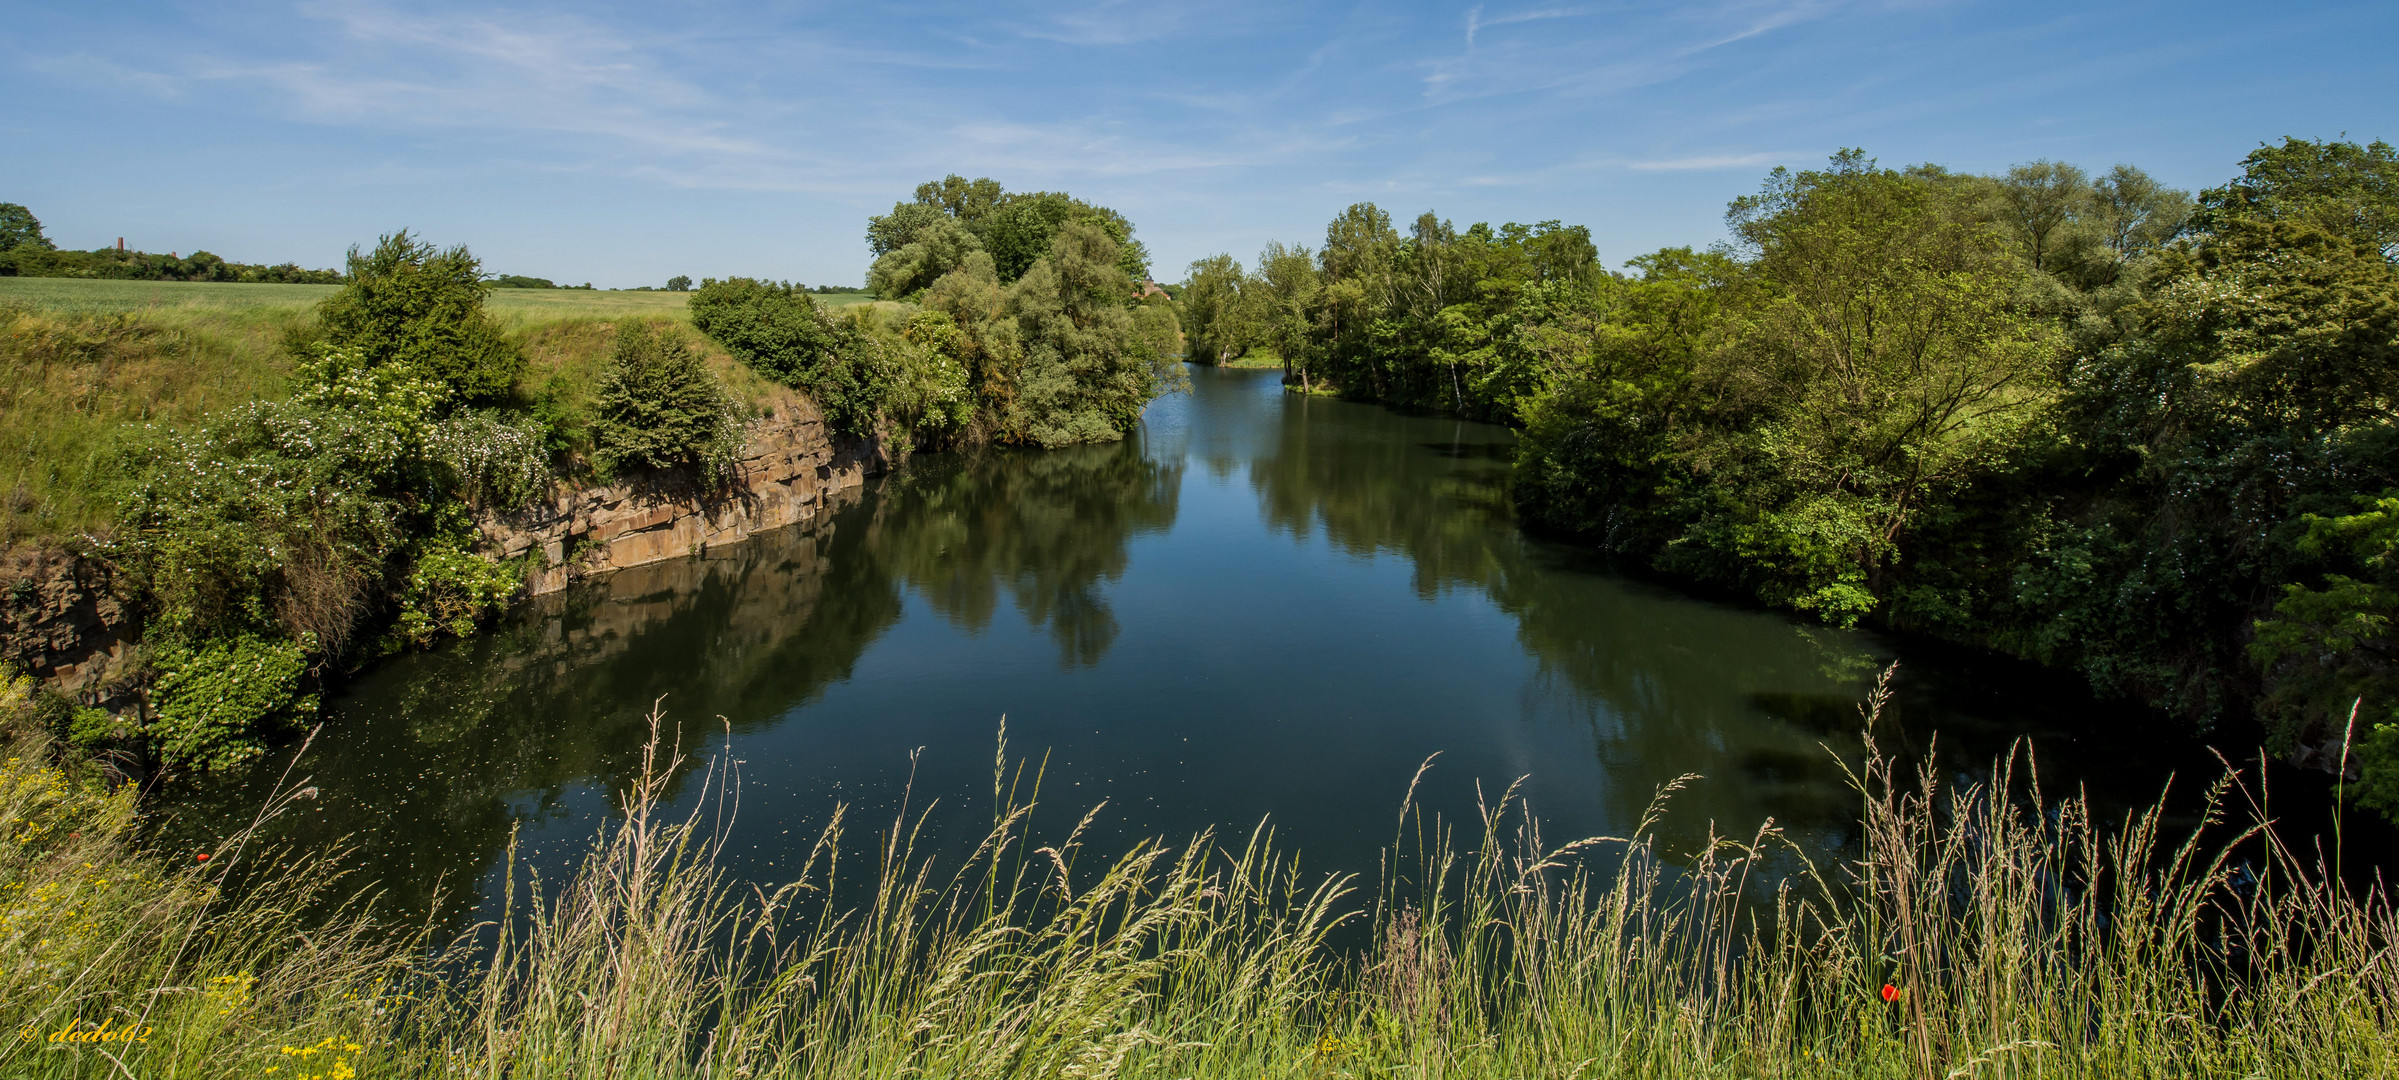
point(623, 143)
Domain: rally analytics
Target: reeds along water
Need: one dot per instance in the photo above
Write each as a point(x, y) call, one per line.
point(1978, 930)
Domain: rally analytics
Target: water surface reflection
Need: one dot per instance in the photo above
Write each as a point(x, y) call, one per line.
point(1265, 606)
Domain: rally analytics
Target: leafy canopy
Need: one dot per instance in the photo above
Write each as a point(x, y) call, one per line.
point(1016, 228)
point(411, 304)
point(19, 228)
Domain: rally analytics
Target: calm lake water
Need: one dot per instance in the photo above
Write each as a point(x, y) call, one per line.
point(1262, 606)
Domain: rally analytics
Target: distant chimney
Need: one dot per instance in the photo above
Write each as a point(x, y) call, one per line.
point(120, 243)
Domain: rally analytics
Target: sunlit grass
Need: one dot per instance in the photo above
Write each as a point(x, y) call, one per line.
point(82, 296)
point(85, 362)
point(73, 382)
point(1978, 931)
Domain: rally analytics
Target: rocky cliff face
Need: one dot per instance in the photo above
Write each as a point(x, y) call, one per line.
point(62, 620)
point(787, 470)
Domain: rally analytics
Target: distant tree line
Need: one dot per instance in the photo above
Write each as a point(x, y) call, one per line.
point(2080, 418)
point(520, 281)
point(25, 252)
point(677, 283)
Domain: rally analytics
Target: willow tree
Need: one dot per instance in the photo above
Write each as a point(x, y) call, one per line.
point(1087, 371)
point(939, 245)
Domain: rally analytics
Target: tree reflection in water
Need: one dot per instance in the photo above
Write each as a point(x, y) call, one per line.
point(427, 763)
point(1321, 594)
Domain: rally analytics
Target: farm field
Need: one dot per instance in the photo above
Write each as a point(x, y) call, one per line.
point(514, 306)
point(83, 296)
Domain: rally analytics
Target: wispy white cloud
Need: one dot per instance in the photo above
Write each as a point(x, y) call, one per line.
point(1476, 22)
point(1717, 161)
point(1110, 22)
point(1632, 51)
point(1244, 118)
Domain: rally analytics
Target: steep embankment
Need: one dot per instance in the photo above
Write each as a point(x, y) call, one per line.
point(62, 619)
point(84, 381)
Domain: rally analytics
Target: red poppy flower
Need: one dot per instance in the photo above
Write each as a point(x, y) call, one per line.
point(1890, 992)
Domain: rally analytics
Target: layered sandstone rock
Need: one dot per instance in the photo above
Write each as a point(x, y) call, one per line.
point(60, 621)
point(789, 466)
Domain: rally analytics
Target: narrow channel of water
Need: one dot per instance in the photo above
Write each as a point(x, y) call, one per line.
point(1263, 606)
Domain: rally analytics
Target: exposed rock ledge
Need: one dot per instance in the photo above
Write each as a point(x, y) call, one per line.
point(62, 621)
point(789, 467)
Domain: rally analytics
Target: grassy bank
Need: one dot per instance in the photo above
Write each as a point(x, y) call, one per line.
point(1980, 932)
point(72, 381)
point(82, 361)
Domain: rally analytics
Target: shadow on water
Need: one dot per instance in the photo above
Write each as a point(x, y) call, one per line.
point(1264, 606)
point(429, 762)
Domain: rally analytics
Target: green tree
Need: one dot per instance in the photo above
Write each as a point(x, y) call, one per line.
point(2343, 188)
point(1879, 357)
point(988, 345)
point(887, 233)
point(2330, 652)
point(969, 201)
point(1287, 282)
point(2039, 202)
point(1021, 229)
point(659, 407)
point(409, 303)
point(2137, 213)
point(1085, 376)
point(679, 283)
point(1219, 312)
point(2254, 388)
point(941, 245)
point(1599, 456)
point(20, 229)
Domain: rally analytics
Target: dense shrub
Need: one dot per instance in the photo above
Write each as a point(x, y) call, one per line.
point(498, 461)
point(659, 407)
point(450, 589)
point(931, 391)
point(784, 334)
point(214, 702)
point(264, 542)
point(410, 303)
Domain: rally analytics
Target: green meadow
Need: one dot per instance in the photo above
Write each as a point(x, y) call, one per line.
point(86, 364)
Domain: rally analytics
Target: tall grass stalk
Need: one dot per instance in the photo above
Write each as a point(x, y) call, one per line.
point(2018, 935)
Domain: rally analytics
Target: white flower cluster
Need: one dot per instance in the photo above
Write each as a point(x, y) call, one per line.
point(496, 463)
